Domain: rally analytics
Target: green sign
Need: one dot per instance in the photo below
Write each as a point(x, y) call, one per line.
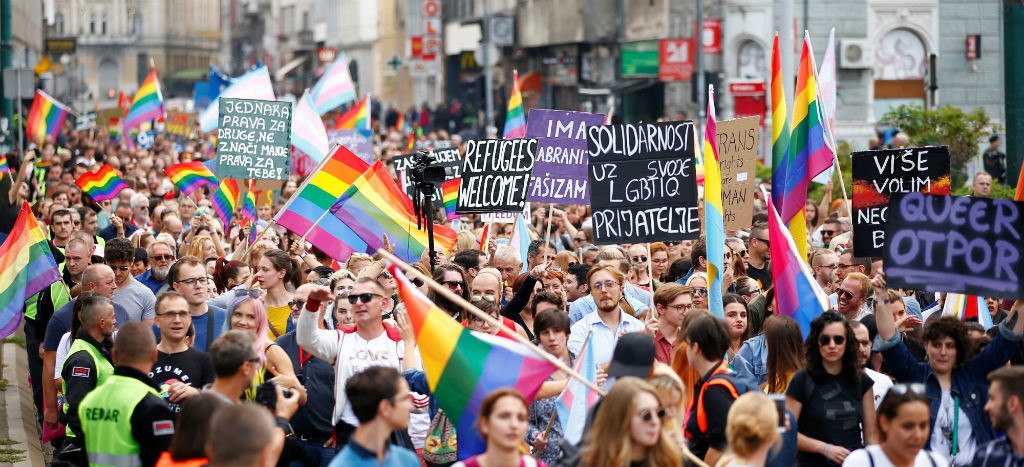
point(253, 139)
point(640, 59)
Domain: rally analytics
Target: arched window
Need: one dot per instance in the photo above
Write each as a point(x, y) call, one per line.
point(103, 24)
point(900, 55)
point(92, 23)
point(751, 61)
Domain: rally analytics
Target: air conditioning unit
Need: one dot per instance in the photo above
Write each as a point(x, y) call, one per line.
point(855, 54)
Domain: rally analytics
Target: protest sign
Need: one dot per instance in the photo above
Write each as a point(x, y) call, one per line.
point(359, 143)
point(449, 158)
point(495, 175)
point(560, 173)
point(426, 145)
point(738, 140)
point(179, 126)
point(955, 244)
point(878, 174)
point(253, 139)
point(643, 182)
point(506, 217)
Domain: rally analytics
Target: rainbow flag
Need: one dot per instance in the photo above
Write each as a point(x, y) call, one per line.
point(101, 185)
point(225, 200)
point(809, 151)
point(485, 238)
point(309, 134)
point(576, 400)
point(967, 307)
point(4, 166)
point(374, 205)
point(249, 203)
point(714, 220)
point(780, 126)
point(412, 142)
point(45, 118)
point(515, 117)
point(26, 268)
point(463, 367)
point(357, 118)
point(190, 176)
point(335, 87)
point(450, 192)
point(400, 122)
point(255, 84)
point(797, 294)
point(148, 103)
point(307, 212)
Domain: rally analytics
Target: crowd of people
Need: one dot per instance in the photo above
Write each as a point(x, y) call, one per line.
point(172, 341)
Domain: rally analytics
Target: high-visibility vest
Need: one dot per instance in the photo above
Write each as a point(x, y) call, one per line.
point(59, 295)
point(106, 414)
point(104, 369)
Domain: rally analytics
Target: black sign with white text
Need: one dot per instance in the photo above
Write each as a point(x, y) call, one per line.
point(495, 175)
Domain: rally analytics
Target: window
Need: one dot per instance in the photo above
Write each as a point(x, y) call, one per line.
point(103, 25)
point(751, 62)
point(92, 23)
point(58, 24)
point(900, 55)
point(136, 24)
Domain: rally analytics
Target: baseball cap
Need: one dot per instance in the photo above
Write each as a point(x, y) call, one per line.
point(633, 356)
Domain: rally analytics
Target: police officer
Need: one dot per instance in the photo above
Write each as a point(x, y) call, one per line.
point(124, 421)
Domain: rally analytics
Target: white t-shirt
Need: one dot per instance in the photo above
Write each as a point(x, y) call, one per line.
point(860, 458)
point(881, 387)
point(942, 433)
point(358, 354)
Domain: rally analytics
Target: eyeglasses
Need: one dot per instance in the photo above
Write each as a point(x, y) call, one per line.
point(579, 239)
point(700, 291)
point(297, 304)
point(845, 293)
point(828, 266)
point(363, 297)
point(727, 255)
point(195, 280)
point(610, 285)
point(762, 241)
point(640, 259)
point(454, 284)
point(683, 308)
point(121, 268)
point(843, 266)
point(647, 415)
point(173, 314)
point(742, 252)
point(900, 389)
point(751, 292)
point(163, 257)
point(477, 319)
point(824, 340)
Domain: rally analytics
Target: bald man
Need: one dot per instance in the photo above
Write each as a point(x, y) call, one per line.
point(89, 361)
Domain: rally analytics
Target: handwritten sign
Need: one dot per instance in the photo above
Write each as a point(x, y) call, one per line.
point(878, 174)
point(955, 244)
point(361, 144)
point(495, 175)
point(643, 182)
point(738, 140)
point(560, 174)
point(253, 139)
point(448, 158)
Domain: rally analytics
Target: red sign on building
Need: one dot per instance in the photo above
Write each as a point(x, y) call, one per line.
point(675, 59)
point(326, 54)
point(712, 36)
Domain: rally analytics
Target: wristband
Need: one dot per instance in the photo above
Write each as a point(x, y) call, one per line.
point(282, 423)
point(312, 305)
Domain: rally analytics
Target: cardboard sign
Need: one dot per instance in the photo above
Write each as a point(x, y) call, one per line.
point(179, 126)
point(253, 139)
point(560, 174)
point(448, 158)
point(955, 244)
point(738, 141)
point(878, 174)
point(643, 182)
point(359, 143)
point(495, 175)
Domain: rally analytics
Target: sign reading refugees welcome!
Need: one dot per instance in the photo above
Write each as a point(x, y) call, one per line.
point(495, 175)
point(643, 183)
point(253, 139)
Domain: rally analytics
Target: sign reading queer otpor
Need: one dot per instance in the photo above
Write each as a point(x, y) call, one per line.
point(955, 244)
point(495, 175)
point(878, 174)
point(737, 140)
point(643, 182)
point(253, 139)
point(560, 174)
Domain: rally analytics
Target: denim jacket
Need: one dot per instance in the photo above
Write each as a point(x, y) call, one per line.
point(755, 352)
point(969, 380)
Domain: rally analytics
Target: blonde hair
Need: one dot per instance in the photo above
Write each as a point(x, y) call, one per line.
point(466, 241)
point(665, 380)
point(608, 443)
point(751, 423)
point(195, 248)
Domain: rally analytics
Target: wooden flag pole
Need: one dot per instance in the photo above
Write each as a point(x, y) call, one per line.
point(445, 292)
point(650, 277)
point(547, 234)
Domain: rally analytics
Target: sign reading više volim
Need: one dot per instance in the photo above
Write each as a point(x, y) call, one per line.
point(955, 244)
point(878, 174)
point(253, 139)
point(495, 175)
point(643, 182)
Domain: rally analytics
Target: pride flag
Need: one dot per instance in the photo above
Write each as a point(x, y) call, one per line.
point(190, 176)
point(374, 205)
point(576, 400)
point(515, 117)
point(357, 118)
point(400, 122)
point(307, 212)
point(335, 87)
point(520, 240)
point(967, 307)
point(225, 200)
point(45, 118)
point(148, 103)
point(809, 151)
point(26, 268)
point(253, 85)
point(4, 166)
point(797, 294)
point(780, 126)
point(485, 238)
point(827, 87)
point(249, 203)
point(714, 220)
point(309, 134)
point(450, 192)
point(102, 184)
point(463, 366)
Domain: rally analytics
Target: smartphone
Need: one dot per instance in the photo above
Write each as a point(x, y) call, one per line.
point(780, 409)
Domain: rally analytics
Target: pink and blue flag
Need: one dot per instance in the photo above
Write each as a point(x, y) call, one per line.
point(577, 399)
point(335, 87)
point(309, 134)
point(797, 294)
point(714, 220)
point(520, 240)
point(967, 307)
point(255, 84)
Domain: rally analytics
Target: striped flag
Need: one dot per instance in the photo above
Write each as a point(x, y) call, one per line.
point(515, 117)
point(148, 104)
point(827, 86)
point(45, 118)
point(780, 126)
point(520, 240)
point(255, 84)
point(225, 200)
point(335, 87)
point(714, 220)
point(576, 400)
point(797, 293)
point(26, 268)
point(309, 134)
point(357, 118)
point(967, 307)
point(485, 238)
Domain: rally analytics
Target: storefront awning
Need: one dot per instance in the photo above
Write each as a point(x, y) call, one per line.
point(289, 67)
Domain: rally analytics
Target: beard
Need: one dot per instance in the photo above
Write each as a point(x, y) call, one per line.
point(1002, 420)
point(160, 273)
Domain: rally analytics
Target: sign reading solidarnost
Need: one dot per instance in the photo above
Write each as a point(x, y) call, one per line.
point(878, 174)
point(955, 244)
point(448, 158)
point(359, 143)
point(560, 173)
point(738, 140)
point(643, 182)
point(495, 175)
point(253, 139)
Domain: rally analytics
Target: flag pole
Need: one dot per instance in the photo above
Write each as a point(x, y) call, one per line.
point(828, 129)
point(547, 234)
point(443, 291)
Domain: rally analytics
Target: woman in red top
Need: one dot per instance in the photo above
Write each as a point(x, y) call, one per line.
point(503, 423)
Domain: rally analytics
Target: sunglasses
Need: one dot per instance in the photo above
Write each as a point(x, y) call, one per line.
point(640, 259)
point(763, 241)
point(743, 252)
point(913, 388)
point(827, 232)
point(647, 415)
point(417, 282)
point(824, 340)
point(163, 257)
point(672, 243)
point(363, 297)
point(385, 274)
point(297, 304)
point(845, 293)
point(700, 292)
point(242, 292)
point(121, 268)
point(454, 284)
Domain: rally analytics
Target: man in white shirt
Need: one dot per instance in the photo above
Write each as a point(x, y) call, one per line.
point(609, 321)
point(882, 382)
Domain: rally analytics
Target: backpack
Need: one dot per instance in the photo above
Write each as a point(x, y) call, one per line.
point(727, 379)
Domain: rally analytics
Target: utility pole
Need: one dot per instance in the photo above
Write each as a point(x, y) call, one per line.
point(6, 56)
point(702, 91)
point(485, 27)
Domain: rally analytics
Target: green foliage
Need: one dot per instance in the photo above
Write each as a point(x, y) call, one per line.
point(948, 126)
point(999, 190)
point(816, 191)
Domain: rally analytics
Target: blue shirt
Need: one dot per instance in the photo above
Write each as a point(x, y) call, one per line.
point(585, 305)
point(148, 280)
point(603, 340)
point(60, 323)
point(355, 455)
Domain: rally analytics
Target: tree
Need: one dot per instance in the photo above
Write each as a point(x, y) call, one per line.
point(949, 126)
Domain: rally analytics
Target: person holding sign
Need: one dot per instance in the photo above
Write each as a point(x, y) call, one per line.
point(958, 422)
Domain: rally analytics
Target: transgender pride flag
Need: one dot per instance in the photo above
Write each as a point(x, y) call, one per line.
point(577, 399)
point(335, 87)
point(308, 132)
point(252, 85)
point(797, 294)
